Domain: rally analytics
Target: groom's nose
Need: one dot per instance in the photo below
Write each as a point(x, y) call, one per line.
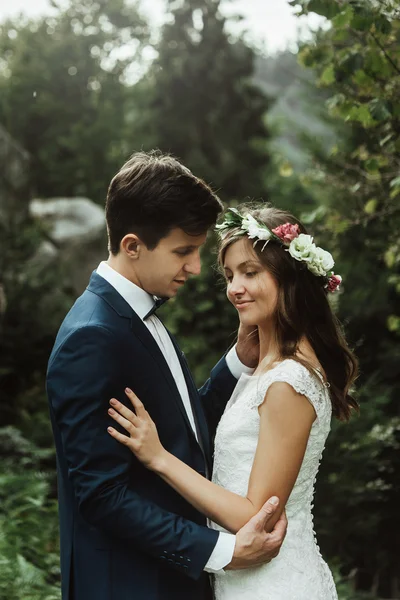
point(193, 266)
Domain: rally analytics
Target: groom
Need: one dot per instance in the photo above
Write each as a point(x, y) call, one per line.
point(125, 534)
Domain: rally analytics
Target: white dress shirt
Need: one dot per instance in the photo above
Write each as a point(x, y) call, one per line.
point(142, 302)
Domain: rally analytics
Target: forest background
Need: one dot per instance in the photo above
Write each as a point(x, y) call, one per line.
point(315, 132)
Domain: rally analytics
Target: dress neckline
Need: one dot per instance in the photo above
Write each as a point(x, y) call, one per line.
point(326, 384)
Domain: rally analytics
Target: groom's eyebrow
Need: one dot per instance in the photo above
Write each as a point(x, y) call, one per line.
point(186, 248)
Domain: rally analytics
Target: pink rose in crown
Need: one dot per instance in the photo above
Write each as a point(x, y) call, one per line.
point(287, 232)
point(333, 283)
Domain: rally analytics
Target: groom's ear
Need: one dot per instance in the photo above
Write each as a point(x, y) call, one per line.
point(131, 245)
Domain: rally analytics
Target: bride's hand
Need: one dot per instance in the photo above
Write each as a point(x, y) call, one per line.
point(143, 438)
point(248, 345)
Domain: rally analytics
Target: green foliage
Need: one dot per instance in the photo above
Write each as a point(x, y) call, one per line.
point(33, 312)
point(29, 554)
point(345, 588)
point(201, 104)
point(358, 64)
point(62, 94)
point(199, 100)
point(69, 98)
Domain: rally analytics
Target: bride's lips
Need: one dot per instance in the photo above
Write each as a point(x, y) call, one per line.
point(242, 305)
point(180, 281)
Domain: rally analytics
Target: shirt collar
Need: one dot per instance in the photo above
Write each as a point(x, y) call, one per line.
point(138, 299)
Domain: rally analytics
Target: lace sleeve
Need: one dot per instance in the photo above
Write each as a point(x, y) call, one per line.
point(301, 380)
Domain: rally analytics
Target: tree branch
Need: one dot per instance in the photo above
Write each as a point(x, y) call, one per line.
point(388, 58)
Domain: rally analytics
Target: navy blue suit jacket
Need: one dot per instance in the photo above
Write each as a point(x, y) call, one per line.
point(125, 534)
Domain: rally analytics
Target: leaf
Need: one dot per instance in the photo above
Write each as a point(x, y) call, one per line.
point(286, 169)
point(376, 63)
point(362, 114)
point(328, 75)
point(393, 323)
point(361, 152)
point(370, 206)
point(351, 61)
point(335, 101)
point(395, 182)
point(354, 188)
point(371, 165)
point(379, 109)
point(386, 139)
point(361, 78)
point(232, 218)
point(344, 18)
point(394, 193)
point(334, 150)
point(305, 57)
point(325, 8)
point(374, 175)
point(395, 185)
point(313, 216)
point(390, 257)
point(362, 21)
point(382, 24)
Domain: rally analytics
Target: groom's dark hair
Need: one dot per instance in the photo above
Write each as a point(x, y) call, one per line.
point(154, 193)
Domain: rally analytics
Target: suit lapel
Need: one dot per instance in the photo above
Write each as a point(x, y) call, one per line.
point(99, 286)
point(198, 412)
point(144, 335)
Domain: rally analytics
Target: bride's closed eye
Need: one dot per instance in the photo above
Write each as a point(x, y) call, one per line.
point(250, 274)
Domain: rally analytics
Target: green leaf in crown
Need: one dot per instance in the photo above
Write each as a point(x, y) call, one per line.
point(232, 219)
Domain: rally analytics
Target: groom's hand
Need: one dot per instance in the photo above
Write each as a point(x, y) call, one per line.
point(253, 545)
point(248, 346)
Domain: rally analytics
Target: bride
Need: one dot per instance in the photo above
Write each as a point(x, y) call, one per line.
point(270, 439)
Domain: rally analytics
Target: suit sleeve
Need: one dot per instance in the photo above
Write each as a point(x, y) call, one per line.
point(83, 375)
point(216, 392)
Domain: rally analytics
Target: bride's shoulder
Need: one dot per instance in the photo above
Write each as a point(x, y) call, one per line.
point(298, 368)
point(308, 382)
point(299, 375)
point(291, 366)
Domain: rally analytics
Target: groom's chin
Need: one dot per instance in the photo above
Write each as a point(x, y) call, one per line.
point(175, 287)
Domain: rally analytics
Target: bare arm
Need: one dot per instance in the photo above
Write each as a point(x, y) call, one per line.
point(286, 418)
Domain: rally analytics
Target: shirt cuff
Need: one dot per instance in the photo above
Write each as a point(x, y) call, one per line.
point(236, 367)
point(222, 554)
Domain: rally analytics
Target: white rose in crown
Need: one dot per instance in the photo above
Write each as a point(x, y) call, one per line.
point(302, 248)
point(254, 230)
point(322, 262)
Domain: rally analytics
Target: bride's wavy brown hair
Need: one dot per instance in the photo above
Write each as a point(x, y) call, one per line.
point(303, 310)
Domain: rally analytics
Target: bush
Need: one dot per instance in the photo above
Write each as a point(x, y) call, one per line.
point(29, 547)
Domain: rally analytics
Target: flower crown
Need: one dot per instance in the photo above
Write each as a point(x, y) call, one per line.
point(299, 245)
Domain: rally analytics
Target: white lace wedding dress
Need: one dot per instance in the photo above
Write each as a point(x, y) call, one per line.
point(298, 572)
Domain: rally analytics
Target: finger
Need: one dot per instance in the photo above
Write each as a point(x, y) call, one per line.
point(123, 410)
point(279, 530)
point(127, 425)
point(265, 513)
point(136, 403)
point(283, 518)
point(123, 439)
